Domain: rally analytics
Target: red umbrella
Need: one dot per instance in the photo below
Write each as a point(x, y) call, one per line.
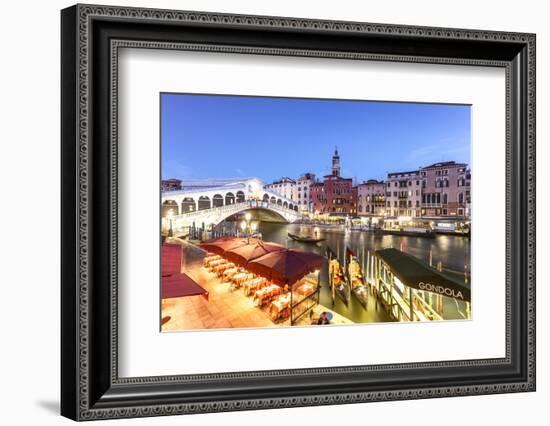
point(221, 245)
point(243, 254)
point(286, 266)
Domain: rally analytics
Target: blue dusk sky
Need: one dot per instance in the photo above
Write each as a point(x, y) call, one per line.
point(213, 136)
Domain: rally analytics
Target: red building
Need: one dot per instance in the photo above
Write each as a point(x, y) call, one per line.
point(341, 195)
point(317, 197)
point(170, 184)
point(336, 194)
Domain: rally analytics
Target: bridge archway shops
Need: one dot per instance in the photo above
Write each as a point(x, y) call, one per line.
point(169, 208)
point(412, 290)
point(217, 201)
point(229, 198)
point(204, 203)
point(188, 205)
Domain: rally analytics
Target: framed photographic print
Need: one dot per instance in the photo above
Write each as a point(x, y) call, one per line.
point(264, 212)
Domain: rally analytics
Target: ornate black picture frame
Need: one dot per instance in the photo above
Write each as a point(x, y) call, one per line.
point(91, 37)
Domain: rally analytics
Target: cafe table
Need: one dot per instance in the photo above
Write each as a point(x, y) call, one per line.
point(220, 269)
point(265, 293)
point(278, 306)
point(228, 273)
point(211, 258)
point(212, 264)
point(240, 278)
point(253, 284)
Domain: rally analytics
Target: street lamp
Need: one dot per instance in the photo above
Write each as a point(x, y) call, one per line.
point(247, 226)
point(170, 214)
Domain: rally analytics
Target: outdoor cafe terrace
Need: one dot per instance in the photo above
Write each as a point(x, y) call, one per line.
point(249, 282)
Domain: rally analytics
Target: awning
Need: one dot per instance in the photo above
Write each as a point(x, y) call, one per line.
point(286, 266)
point(181, 285)
point(221, 245)
point(244, 254)
point(171, 258)
point(414, 273)
point(173, 282)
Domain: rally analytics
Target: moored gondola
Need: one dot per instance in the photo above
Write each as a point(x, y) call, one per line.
point(305, 239)
point(337, 277)
point(356, 278)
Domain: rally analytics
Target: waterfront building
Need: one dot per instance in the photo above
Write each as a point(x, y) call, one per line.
point(445, 190)
point(285, 187)
point(371, 198)
point(467, 193)
point(336, 163)
point(404, 194)
point(335, 195)
point(340, 195)
point(317, 197)
point(170, 185)
point(303, 198)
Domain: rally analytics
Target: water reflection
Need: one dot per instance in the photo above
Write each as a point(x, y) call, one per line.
point(453, 253)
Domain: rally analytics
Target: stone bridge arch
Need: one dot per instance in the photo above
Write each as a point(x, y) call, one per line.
point(214, 216)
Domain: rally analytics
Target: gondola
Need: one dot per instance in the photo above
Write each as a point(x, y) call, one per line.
point(337, 277)
point(405, 233)
point(356, 278)
point(305, 239)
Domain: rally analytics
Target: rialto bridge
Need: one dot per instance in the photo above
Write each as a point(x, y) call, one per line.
point(210, 202)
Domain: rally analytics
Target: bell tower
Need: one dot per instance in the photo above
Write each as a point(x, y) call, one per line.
point(336, 163)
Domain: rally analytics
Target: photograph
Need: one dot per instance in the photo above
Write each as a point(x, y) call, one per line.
point(280, 212)
point(239, 181)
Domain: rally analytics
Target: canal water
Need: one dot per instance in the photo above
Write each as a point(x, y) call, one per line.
point(453, 253)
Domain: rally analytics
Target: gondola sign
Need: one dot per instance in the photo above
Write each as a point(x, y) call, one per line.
point(414, 273)
point(439, 289)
